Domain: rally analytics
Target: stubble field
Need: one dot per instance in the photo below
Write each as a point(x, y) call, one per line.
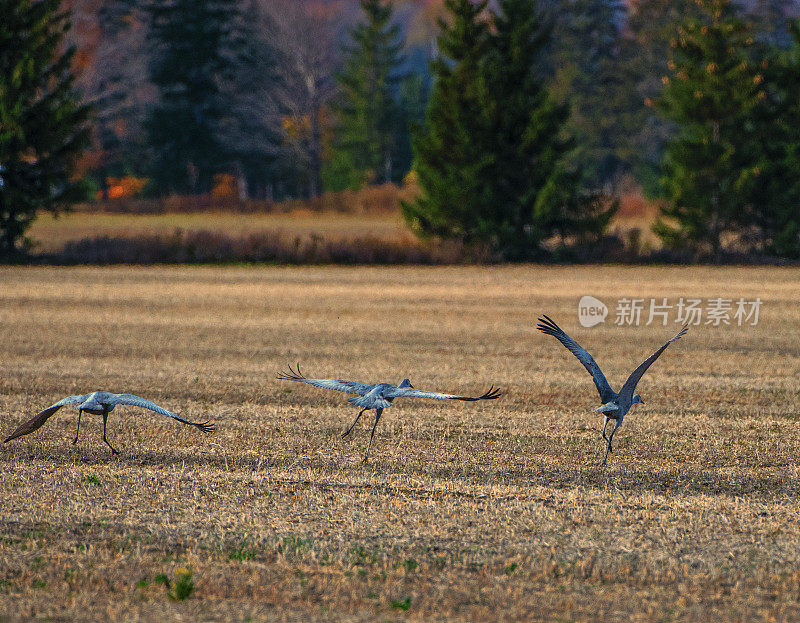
point(466, 511)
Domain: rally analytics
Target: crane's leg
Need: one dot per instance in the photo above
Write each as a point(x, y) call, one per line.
point(80, 413)
point(378, 413)
point(347, 432)
point(605, 423)
point(609, 448)
point(105, 419)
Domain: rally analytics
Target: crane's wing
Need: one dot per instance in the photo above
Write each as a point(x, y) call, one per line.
point(547, 326)
point(136, 401)
point(410, 392)
point(348, 387)
point(40, 418)
point(626, 393)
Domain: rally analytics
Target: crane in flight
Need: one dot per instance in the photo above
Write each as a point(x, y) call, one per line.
point(615, 404)
point(377, 396)
point(99, 403)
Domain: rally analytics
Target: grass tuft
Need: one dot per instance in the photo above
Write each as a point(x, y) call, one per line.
point(404, 604)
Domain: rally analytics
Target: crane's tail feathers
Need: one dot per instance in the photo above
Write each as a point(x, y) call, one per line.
point(606, 408)
point(369, 402)
point(292, 375)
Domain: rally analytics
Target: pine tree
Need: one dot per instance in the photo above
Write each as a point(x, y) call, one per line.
point(414, 94)
point(712, 95)
point(586, 42)
point(775, 200)
point(449, 159)
point(250, 131)
point(42, 122)
point(193, 54)
point(368, 112)
point(643, 57)
point(537, 192)
point(492, 161)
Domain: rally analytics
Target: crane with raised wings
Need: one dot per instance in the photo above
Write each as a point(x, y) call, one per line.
point(377, 396)
point(615, 404)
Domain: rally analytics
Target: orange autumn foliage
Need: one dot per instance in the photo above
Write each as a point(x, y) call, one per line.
point(124, 187)
point(225, 185)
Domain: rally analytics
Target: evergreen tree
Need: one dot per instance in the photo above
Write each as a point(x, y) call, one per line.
point(250, 130)
point(643, 57)
point(449, 159)
point(712, 95)
point(492, 161)
point(42, 122)
point(414, 93)
point(369, 115)
point(586, 48)
point(776, 191)
point(193, 54)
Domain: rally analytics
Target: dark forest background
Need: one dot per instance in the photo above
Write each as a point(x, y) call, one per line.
point(587, 99)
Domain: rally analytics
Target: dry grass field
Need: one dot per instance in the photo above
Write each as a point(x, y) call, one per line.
point(50, 233)
point(466, 511)
point(374, 213)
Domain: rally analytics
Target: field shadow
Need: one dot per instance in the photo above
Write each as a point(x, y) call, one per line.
point(685, 480)
point(336, 472)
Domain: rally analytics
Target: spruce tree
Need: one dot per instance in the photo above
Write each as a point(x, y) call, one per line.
point(586, 53)
point(536, 192)
point(449, 159)
point(492, 160)
point(368, 112)
point(414, 94)
point(42, 122)
point(193, 55)
point(775, 198)
point(711, 94)
point(644, 53)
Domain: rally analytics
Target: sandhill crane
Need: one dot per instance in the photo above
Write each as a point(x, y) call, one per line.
point(377, 396)
point(99, 403)
point(615, 405)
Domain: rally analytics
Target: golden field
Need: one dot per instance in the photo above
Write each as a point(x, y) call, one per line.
point(371, 213)
point(466, 511)
point(50, 233)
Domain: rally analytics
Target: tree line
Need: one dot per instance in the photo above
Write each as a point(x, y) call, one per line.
point(529, 118)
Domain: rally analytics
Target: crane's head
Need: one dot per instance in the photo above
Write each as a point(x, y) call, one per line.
point(637, 399)
point(406, 383)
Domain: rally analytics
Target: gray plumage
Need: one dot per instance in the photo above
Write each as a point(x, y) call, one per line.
point(99, 403)
point(377, 396)
point(615, 405)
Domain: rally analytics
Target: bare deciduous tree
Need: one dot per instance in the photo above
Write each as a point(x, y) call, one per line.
point(304, 39)
point(112, 66)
